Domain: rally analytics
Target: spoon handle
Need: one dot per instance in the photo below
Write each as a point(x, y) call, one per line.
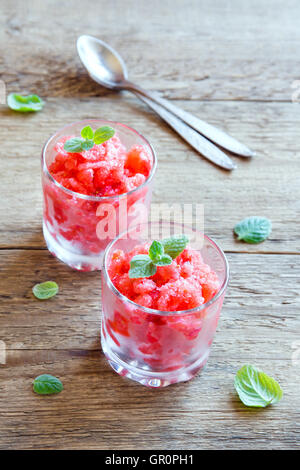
point(212, 133)
point(196, 140)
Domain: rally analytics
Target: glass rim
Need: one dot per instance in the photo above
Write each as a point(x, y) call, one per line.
point(90, 197)
point(166, 312)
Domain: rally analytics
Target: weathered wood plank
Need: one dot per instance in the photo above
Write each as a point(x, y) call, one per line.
point(202, 50)
point(181, 417)
point(215, 56)
point(96, 409)
point(260, 310)
point(268, 185)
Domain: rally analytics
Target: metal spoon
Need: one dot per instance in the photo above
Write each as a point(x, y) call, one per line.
point(107, 68)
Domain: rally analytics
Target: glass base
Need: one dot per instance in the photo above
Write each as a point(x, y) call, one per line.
point(149, 378)
point(72, 259)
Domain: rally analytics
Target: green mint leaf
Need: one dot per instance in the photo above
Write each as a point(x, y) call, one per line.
point(87, 144)
point(156, 250)
point(45, 290)
point(87, 132)
point(175, 245)
point(255, 388)
point(74, 145)
point(47, 385)
point(77, 144)
point(24, 104)
point(141, 266)
point(160, 254)
point(164, 260)
point(253, 229)
point(103, 134)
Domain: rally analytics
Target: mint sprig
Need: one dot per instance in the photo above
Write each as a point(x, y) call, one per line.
point(255, 388)
point(88, 139)
point(160, 254)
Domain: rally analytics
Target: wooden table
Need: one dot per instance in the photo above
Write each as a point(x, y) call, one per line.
point(235, 65)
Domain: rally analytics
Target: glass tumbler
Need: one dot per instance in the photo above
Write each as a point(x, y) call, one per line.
point(158, 348)
point(78, 227)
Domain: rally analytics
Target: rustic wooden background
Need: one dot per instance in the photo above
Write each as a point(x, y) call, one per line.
point(235, 65)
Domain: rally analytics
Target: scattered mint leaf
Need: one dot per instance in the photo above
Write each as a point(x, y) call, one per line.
point(141, 266)
point(45, 290)
point(253, 229)
point(173, 246)
point(103, 134)
point(87, 132)
point(73, 145)
point(89, 139)
point(47, 385)
point(156, 250)
point(255, 388)
point(24, 104)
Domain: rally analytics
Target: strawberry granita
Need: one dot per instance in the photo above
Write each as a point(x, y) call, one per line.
point(185, 284)
point(83, 191)
point(158, 329)
point(105, 170)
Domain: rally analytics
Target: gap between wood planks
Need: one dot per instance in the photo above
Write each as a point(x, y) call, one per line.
point(244, 252)
point(220, 100)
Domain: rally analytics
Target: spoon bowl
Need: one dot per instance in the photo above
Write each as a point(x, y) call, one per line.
point(102, 62)
point(106, 67)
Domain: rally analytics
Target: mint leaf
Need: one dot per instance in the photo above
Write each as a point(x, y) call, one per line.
point(156, 250)
point(77, 144)
point(173, 246)
point(87, 132)
point(160, 254)
point(45, 290)
point(73, 145)
point(24, 104)
point(141, 266)
point(164, 260)
point(47, 385)
point(87, 144)
point(255, 388)
point(253, 229)
point(103, 134)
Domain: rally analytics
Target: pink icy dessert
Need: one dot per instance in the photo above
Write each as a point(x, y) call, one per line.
point(81, 213)
point(170, 335)
point(184, 284)
point(104, 170)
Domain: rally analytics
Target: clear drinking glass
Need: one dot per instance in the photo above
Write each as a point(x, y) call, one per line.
point(158, 348)
point(77, 227)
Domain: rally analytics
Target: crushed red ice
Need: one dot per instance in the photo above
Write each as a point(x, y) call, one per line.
point(105, 170)
point(185, 284)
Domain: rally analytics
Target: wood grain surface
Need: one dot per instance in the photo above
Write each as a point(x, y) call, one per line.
point(234, 64)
